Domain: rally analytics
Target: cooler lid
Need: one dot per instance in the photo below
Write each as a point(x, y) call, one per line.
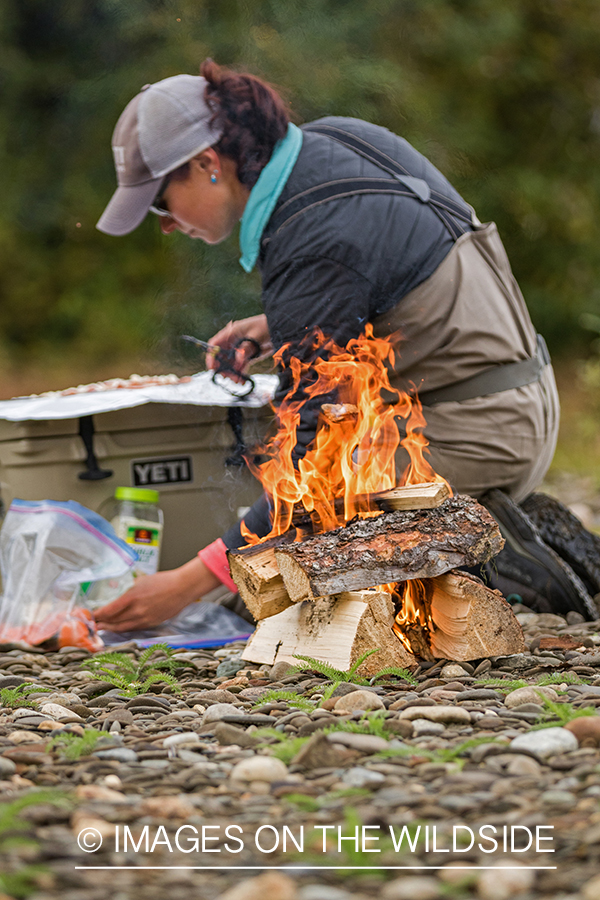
point(198, 390)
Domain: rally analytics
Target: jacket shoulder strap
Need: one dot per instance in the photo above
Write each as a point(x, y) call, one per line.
point(447, 210)
point(417, 186)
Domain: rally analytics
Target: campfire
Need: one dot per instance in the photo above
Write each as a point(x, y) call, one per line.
point(360, 556)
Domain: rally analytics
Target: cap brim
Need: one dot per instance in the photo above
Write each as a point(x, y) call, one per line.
point(128, 207)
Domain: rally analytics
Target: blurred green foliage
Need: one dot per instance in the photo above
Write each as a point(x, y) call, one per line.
point(503, 97)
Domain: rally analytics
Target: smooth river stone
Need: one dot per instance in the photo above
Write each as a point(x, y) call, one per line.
point(188, 737)
point(364, 743)
point(216, 712)
point(444, 714)
point(529, 695)
point(545, 742)
point(360, 700)
point(586, 729)
point(260, 768)
point(60, 713)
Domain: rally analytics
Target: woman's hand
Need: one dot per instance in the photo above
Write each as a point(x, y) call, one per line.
point(254, 327)
point(154, 598)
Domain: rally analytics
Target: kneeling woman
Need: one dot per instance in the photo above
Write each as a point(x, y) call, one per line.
point(348, 225)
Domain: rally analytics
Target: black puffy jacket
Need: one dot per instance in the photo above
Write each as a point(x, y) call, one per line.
point(339, 264)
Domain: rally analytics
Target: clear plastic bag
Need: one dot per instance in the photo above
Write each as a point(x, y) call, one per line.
point(59, 561)
point(201, 624)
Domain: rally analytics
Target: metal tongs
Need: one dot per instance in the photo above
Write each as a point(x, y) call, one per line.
point(225, 362)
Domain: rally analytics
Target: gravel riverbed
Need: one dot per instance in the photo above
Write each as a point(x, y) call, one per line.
point(207, 778)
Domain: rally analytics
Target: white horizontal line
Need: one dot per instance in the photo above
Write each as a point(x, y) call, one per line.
point(317, 867)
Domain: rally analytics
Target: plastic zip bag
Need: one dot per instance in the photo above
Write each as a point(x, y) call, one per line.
point(58, 561)
point(201, 624)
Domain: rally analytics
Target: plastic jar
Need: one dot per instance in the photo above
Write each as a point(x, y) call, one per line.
point(138, 520)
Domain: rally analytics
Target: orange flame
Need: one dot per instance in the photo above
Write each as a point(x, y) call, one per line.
point(352, 455)
point(412, 610)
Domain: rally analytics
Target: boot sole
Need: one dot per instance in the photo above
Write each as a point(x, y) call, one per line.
point(567, 536)
point(552, 578)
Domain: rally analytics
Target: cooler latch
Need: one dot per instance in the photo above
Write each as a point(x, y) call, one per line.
point(92, 472)
point(235, 418)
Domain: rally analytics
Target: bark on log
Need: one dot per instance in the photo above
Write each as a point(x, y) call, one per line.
point(337, 630)
point(254, 569)
point(391, 547)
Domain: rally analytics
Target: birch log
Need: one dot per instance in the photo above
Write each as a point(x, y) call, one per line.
point(337, 630)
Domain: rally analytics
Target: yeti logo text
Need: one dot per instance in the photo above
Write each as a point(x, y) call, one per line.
point(161, 471)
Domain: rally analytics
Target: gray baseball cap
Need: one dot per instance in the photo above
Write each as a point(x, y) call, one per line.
point(164, 126)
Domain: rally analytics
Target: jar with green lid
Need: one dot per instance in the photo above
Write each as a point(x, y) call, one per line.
point(138, 520)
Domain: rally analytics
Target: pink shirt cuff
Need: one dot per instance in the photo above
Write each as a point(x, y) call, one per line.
point(214, 558)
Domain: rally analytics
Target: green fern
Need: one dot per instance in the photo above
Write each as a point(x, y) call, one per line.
point(289, 696)
point(371, 723)
point(561, 713)
point(456, 754)
point(270, 735)
point(502, 683)
point(333, 674)
point(452, 754)
point(72, 746)
point(287, 749)
point(133, 688)
point(304, 802)
point(399, 673)
point(560, 678)
point(286, 746)
point(136, 676)
point(17, 697)
point(329, 691)
point(355, 857)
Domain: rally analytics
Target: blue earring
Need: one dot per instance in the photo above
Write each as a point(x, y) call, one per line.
point(213, 177)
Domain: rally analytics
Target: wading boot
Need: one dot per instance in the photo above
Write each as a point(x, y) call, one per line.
point(567, 536)
point(528, 569)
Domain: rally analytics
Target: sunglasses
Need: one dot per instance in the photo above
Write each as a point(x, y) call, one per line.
point(159, 207)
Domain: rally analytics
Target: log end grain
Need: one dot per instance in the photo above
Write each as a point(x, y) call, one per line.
point(258, 580)
point(472, 621)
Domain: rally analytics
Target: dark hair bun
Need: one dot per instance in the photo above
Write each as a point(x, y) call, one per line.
point(252, 115)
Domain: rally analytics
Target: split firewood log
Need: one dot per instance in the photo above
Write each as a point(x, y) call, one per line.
point(410, 496)
point(339, 412)
point(390, 547)
point(413, 496)
point(254, 570)
point(470, 620)
point(337, 630)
